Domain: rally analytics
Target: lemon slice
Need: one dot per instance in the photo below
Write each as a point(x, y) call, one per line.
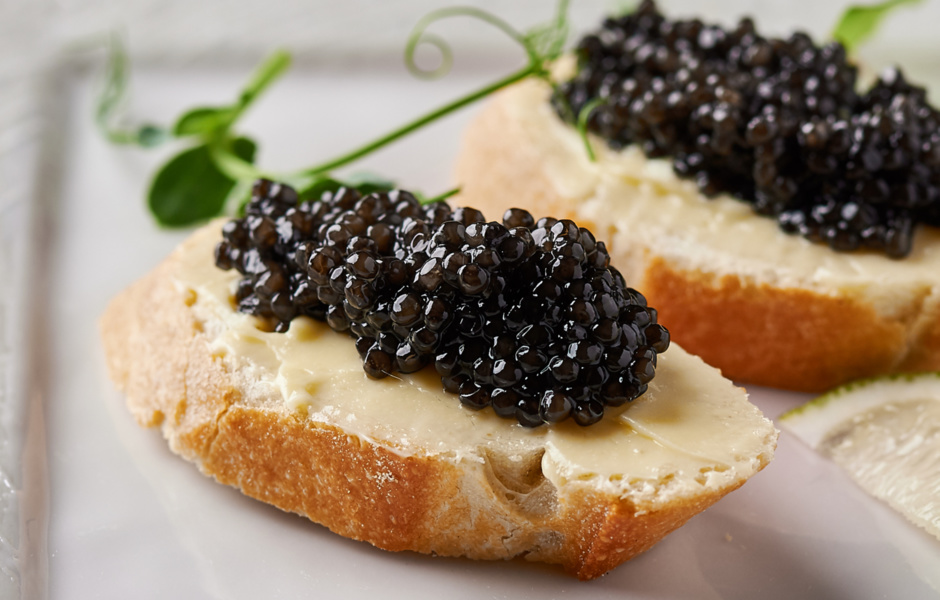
point(886, 434)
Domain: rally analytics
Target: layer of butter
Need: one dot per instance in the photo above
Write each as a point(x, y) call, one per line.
point(693, 428)
point(719, 235)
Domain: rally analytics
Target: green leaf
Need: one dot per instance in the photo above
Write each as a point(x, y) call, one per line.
point(190, 188)
point(858, 23)
point(204, 120)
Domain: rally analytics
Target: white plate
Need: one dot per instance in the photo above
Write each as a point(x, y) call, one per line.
point(127, 519)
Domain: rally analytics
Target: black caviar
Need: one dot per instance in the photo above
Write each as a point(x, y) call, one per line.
point(777, 123)
point(525, 316)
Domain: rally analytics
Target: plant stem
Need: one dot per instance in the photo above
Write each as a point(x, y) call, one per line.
point(417, 123)
point(269, 71)
point(238, 169)
point(230, 164)
point(440, 197)
point(582, 125)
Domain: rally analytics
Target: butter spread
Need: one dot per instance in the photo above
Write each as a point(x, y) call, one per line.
point(692, 429)
point(718, 235)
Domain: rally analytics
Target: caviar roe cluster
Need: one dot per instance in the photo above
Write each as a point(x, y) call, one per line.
point(524, 316)
point(777, 123)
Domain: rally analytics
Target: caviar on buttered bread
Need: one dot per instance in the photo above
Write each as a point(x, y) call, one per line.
point(777, 123)
point(522, 314)
point(289, 353)
point(782, 220)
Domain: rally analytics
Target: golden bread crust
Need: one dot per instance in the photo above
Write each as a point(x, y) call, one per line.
point(789, 338)
point(784, 338)
point(159, 353)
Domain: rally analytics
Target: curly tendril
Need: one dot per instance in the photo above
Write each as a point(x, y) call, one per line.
point(542, 44)
point(443, 49)
point(420, 35)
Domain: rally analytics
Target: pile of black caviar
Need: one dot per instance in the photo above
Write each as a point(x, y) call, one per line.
point(525, 316)
point(777, 123)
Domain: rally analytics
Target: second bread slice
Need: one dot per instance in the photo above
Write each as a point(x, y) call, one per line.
point(763, 306)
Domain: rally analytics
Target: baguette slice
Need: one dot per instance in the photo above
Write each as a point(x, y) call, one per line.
point(764, 307)
point(292, 420)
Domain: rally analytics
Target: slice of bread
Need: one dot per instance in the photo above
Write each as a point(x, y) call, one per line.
point(292, 420)
point(763, 306)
